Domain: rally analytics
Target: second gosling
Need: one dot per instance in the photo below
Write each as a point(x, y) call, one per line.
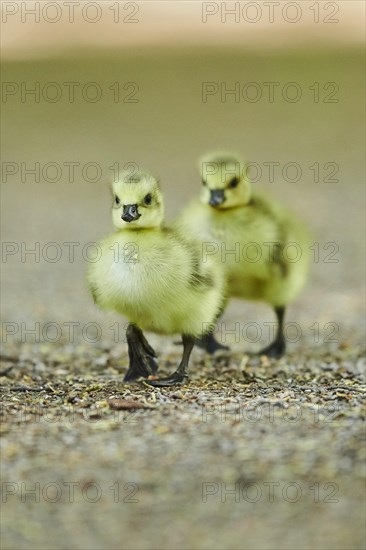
point(254, 232)
point(154, 275)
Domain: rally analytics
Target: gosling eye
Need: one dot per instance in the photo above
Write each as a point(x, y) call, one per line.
point(148, 199)
point(234, 183)
point(203, 182)
point(117, 201)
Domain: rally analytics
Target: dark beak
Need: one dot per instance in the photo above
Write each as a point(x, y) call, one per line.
point(130, 213)
point(217, 197)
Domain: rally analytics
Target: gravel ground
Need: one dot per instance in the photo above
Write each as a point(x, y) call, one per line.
point(252, 453)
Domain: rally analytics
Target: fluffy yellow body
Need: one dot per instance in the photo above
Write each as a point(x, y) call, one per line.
point(156, 278)
point(263, 248)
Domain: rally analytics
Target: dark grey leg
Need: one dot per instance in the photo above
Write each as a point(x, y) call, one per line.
point(278, 347)
point(180, 376)
point(208, 341)
point(210, 344)
point(141, 354)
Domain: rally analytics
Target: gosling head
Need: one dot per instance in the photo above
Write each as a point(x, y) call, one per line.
point(224, 184)
point(137, 201)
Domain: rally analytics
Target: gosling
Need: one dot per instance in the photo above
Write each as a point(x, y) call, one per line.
point(154, 276)
point(256, 238)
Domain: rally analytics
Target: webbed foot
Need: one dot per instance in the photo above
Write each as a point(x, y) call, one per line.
point(141, 354)
point(276, 350)
point(175, 379)
point(210, 344)
point(180, 376)
point(141, 365)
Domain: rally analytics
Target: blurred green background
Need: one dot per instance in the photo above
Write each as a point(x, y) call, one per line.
point(166, 131)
